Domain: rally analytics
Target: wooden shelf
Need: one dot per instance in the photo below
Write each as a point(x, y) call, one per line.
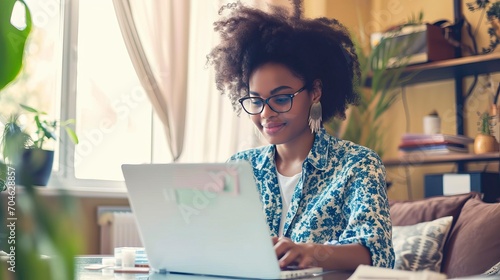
point(455, 69)
point(421, 159)
point(451, 68)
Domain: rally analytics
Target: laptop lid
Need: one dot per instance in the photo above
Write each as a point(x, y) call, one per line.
point(201, 219)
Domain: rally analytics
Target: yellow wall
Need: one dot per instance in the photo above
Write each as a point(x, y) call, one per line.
point(378, 15)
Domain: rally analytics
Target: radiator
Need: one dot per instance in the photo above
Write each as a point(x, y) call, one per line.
point(117, 229)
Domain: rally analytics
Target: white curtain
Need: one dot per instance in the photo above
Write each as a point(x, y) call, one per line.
point(156, 36)
point(168, 41)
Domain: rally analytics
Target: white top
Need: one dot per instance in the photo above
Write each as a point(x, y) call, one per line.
point(287, 186)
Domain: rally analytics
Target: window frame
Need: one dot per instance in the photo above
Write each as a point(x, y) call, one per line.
point(65, 176)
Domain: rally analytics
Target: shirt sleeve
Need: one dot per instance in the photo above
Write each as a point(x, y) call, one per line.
point(366, 209)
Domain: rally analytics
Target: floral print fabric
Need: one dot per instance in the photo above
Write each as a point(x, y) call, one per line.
point(340, 199)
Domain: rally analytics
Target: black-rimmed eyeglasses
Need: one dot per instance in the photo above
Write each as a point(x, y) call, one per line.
point(280, 103)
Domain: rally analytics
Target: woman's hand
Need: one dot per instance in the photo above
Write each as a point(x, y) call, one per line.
point(329, 257)
point(290, 253)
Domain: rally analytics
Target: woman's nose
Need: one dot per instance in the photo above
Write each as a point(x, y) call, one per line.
point(267, 111)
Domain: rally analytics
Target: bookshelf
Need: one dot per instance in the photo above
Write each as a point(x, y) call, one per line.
point(457, 69)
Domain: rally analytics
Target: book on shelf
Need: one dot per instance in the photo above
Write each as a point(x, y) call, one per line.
point(424, 144)
point(415, 138)
point(433, 150)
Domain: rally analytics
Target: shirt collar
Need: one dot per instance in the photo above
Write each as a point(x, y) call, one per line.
point(317, 157)
point(319, 154)
point(266, 157)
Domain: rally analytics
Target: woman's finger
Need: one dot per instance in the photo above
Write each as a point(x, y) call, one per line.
point(282, 246)
point(306, 261)
point(290, 257)
point(275, 240)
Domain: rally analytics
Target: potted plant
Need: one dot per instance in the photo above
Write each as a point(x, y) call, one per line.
point(28, 153)
point(484, 142)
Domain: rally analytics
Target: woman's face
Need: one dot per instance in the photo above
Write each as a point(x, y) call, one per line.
point(272, 79)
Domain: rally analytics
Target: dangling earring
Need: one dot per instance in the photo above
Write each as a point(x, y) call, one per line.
point(315, 117)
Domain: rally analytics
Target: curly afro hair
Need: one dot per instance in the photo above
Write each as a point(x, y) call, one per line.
point(313, 49)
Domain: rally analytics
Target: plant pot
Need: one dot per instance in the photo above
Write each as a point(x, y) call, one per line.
point(35, 167)
point(484, 144)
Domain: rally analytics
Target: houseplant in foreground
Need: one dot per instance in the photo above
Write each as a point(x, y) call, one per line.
point(35, 227)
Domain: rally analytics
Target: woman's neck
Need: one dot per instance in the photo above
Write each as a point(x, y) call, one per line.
point(290, 156)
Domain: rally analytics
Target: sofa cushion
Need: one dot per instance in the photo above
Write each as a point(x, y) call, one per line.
point(405, 213)
point(474, 242)
point(420, 246)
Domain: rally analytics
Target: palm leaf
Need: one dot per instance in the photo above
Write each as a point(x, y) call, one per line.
point(378, 67)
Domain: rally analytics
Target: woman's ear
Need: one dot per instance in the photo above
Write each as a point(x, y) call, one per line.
point(317, 90)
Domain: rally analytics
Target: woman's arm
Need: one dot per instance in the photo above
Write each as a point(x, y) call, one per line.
point(329, 257)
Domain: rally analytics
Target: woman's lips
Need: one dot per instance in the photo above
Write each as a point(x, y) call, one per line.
point(273, 128)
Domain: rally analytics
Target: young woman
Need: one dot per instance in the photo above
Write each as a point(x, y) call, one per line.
point(324, 198)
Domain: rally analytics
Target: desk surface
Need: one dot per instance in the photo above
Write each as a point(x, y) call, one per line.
point(85, 274)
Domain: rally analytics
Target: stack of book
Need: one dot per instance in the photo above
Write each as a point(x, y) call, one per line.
point(434, 144)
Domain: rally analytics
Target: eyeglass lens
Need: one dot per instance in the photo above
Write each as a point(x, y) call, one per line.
point(278, 103)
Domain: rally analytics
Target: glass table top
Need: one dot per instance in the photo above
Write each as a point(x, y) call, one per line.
point(82, 273)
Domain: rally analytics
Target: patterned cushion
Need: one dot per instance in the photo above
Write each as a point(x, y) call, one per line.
point(420, 246)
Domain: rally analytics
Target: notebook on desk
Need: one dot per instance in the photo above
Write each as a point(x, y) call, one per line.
point(203, 219)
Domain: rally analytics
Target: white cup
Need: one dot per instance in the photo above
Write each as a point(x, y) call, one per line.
point(432, 124)
point(109, 263)
point(118, 259)
point(128, 257)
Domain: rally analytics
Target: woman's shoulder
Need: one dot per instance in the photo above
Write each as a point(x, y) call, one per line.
point(251, 154)
point(353, 150)
point(341, 146)
point(332, 151)
point(354, 147)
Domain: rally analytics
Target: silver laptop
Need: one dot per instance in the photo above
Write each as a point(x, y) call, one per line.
point(204, 219)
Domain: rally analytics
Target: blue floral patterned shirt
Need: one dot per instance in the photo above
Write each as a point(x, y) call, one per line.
point(340, 199)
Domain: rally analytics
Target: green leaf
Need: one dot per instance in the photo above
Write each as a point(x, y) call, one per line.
point(363, 125)
point(72, 135)
point(12, 42)
point(66, 122)
point(14, 140)
point(47, 132)
point(28, 108)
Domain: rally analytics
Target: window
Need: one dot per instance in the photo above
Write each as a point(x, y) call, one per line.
point(112, 109)
point(78, 67)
